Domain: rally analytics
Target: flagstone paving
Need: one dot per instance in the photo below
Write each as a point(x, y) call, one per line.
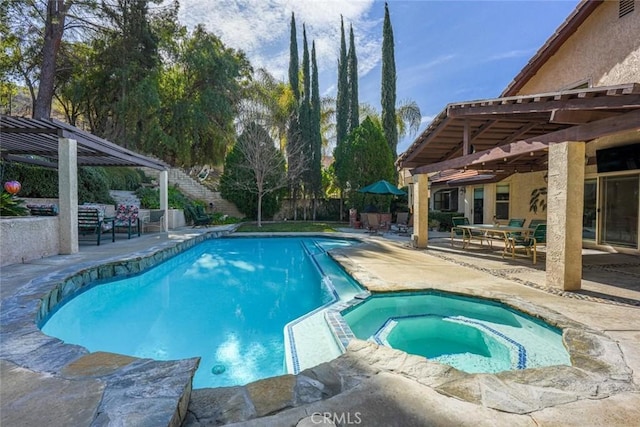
point(46, 382)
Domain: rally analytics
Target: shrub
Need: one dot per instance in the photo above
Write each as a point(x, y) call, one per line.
point(37, 181)
point(122, 178)
point(150, 198)
point(444, 218)
point(11, 206)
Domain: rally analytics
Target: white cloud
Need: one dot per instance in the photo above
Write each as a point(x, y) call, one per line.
point(261, 29)
point(517, 53)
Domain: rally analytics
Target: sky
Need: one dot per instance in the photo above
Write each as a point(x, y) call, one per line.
point(446, 51)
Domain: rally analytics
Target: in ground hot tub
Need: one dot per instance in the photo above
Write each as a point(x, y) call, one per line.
point(471, 334)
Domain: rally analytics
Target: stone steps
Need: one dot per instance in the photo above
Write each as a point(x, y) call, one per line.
point(197, 191)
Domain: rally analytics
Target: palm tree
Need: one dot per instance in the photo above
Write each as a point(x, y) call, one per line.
point(277, 101)
point(408, 116)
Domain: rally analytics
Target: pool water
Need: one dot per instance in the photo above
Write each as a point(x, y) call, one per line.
point(472, 335)
point(225, 300)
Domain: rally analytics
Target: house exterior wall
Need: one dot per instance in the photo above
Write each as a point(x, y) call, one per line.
point(604, 50)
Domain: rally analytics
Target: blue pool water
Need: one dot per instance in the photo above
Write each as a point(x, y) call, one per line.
point(225, 300)
point(472, 335)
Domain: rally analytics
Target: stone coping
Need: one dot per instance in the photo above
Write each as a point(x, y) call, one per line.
point(152, 393)
point(119, 390)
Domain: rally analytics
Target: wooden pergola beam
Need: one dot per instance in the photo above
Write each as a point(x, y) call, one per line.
point(586, 132)
point(576, 104)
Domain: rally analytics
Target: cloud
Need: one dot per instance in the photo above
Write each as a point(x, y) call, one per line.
point(516, 53)
point(260, 28)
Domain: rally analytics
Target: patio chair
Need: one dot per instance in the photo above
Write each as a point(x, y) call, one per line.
point(529, 243)
point(364, 221)
point(92, 222)
point(127, 219)
point(514, 222)
point(374, 223)
point(535, 222)
point(402, 223)
point(155, 219)
point(198, 215)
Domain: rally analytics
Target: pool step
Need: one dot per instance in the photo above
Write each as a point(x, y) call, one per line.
point(309, 340)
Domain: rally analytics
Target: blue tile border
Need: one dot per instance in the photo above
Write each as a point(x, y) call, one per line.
point(291, 353)
point(380, 336)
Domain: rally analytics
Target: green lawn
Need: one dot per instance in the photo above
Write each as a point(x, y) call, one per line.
point(290, 226)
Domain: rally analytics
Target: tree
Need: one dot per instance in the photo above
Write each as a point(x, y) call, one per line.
point(342, 98)
point(34, 40)
point(363, 159)
point(255, 165)
point(408, 116)
point(276, 99)
point(388, 98)
point(316, 135)
point(53, 30)
point(293, 60)
point(354, 105)
point(304, 116)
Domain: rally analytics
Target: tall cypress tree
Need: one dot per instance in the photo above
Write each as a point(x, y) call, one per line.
point(304, 113)
point(316, 134)
point(388, 97)
point(354, 105)
point(294, 131)
point(293, 60)
point(342, 98)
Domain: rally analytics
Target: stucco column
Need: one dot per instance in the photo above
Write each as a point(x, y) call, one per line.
point(164, 197)
point(420, 235)
point(565, 202)
point(68, 195)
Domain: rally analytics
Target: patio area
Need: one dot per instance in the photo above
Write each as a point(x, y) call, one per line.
point(43, 379)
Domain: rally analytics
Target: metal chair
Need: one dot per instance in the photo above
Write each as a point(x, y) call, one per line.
point(529, 243)
point(155, 219)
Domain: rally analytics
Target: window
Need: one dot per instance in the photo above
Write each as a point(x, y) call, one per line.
point(446, 200)
point(502, 201)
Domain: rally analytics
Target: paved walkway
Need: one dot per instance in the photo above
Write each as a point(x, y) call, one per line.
point(366, 386)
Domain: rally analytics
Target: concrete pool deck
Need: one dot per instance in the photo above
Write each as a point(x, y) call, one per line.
point(44, 381)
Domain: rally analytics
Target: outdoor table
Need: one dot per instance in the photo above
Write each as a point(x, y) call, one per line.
point(493, 231)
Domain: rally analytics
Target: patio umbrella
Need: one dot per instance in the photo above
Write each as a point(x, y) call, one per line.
point(382, 187)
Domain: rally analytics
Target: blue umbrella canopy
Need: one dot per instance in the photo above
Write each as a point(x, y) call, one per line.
point(382, 187)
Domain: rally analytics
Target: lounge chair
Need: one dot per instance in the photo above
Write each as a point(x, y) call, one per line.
point(198, 215)
point(530, 243)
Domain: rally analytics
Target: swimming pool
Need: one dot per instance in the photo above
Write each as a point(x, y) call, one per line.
point(225, 300)
point(470, 334)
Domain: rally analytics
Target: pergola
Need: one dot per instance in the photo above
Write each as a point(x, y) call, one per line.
point(513, 134)
point(51, 143)
point(520, 134)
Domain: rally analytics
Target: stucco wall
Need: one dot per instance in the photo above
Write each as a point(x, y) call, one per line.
point(28, 238)
point(520, 187)
point(605, 50)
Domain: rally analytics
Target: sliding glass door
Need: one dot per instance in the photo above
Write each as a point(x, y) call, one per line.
point(620, 206)
point(589, 214)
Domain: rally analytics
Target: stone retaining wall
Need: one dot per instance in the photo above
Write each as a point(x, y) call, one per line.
point(25, 238)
